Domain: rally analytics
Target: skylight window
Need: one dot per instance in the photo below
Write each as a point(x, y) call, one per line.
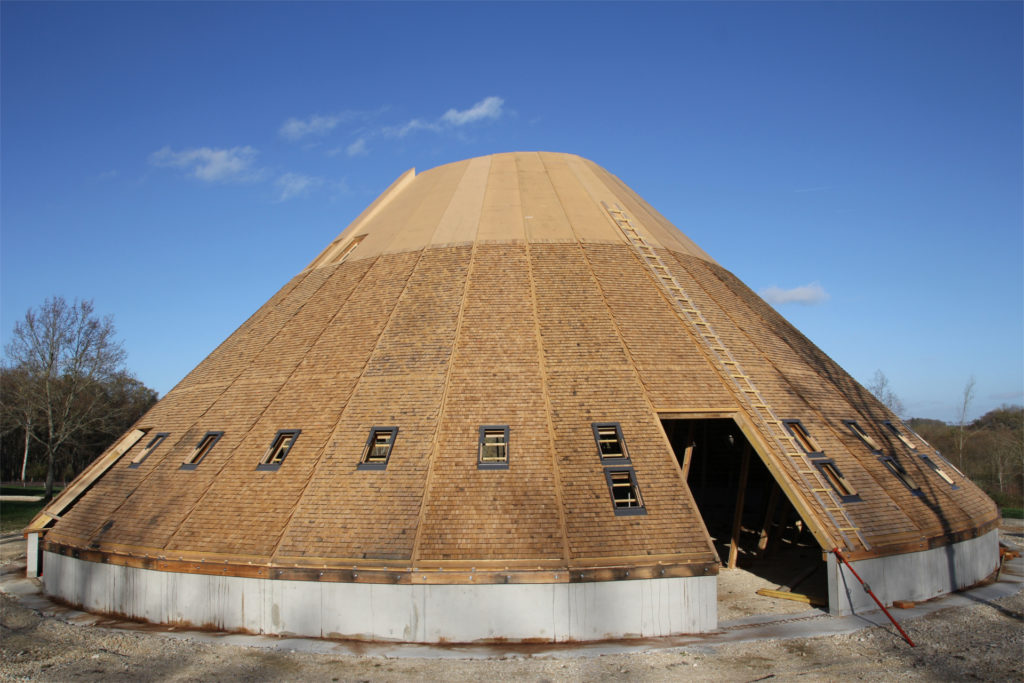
point(611, 447)
point(626, 497)
point(859, 432)
point(378, 448)
point(492, 453)
point(939, 471)
point(204, 446)
point(802, 436)
point(830, 471)
point(150, 447)
point(899, 435)
point(279, 448)
point(894, 466)
point(347, 250)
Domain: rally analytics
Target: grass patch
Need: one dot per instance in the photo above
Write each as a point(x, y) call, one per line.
point(1013, 513)
point(30, 490)
point(16, 514)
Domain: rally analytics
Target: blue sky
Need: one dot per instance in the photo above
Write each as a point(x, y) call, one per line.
point(858, 164)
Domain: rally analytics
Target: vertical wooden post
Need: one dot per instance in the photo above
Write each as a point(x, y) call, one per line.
point(737, 520)
point(769, 515)
point(688, 453)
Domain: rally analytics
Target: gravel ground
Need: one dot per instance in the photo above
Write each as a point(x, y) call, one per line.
point(981, 642)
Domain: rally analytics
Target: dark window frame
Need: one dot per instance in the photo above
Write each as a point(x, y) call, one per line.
point(481, 464)
point(625, 510)
point(825, 465)
point(153, 444)
point(611, 460)
point(938, 470)
point(863, 436)
point(901, 436)
point(201, 450)
point(365, 464)
point(267, 464)
point(806, 434)
point(900, 472)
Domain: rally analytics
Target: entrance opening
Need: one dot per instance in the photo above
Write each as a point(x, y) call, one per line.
point(751, 522)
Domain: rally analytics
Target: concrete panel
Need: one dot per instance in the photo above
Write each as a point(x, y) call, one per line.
point(420, 613)
point(32, 555)
point(912, 576)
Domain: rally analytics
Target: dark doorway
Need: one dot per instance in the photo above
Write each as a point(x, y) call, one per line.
point(749, 519)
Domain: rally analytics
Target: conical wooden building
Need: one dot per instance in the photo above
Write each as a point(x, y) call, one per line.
point(509, 401)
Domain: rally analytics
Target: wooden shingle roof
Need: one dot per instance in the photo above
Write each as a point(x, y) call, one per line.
point(494, 291)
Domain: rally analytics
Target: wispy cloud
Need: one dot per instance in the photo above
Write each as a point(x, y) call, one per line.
point(357, 148)
point(408, 127)
point(296, 129)
point(807, 295)
point(487, 108)
point(291, 185)
point(210, 164)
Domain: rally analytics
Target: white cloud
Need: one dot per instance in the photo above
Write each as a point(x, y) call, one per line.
point(292, 185)
point(357, 148)
point(296, 129)
point(406, 128)
point(209, 164)
point(487, 108)
point(808, 295)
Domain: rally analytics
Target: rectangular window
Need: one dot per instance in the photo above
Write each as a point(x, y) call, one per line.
point(611, 447)
point(939, 471)
point(278, 451)
point(899, 435)
point(859, 432)
point(204, 446)
point(802, 436)
point(625, 492)
point(378, 448)
point(830, 471)
point(493, 448)
point(150, 447)
point(348, 249)
point(945, 461)
point(894, 466)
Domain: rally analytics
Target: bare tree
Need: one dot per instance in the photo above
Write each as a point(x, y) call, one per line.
point(879, 386)
point(66, 353)
point(16, 412)
point(962, 434)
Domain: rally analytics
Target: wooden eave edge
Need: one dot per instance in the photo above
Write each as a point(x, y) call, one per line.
point(81, 483)
point(461, 572)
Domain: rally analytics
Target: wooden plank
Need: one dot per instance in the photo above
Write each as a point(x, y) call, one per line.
point(769, 514)
point(461, 219)
point(798, 597)
point(368, 213)
point(737, 519)
point(82, 482)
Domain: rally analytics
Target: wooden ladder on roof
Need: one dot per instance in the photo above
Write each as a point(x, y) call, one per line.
point(740, 382)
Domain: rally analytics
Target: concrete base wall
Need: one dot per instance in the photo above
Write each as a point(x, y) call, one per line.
point(32, 556)
point(414, 613)
point(912, 576)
